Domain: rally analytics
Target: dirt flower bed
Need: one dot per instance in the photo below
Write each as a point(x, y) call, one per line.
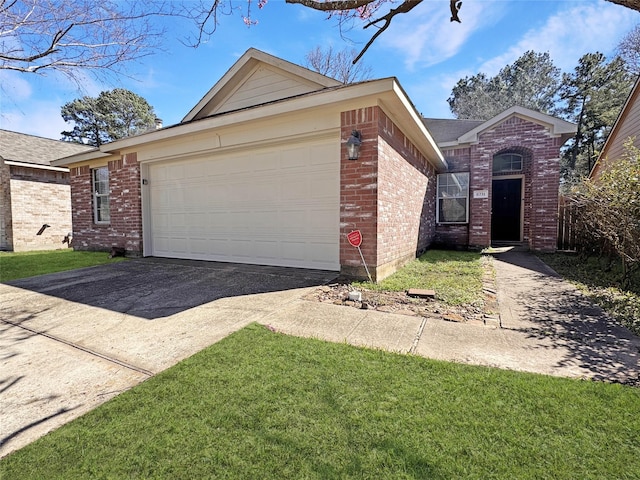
point(485, 313)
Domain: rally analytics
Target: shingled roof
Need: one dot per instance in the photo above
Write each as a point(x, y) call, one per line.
point(449, 130)
point(20, 147)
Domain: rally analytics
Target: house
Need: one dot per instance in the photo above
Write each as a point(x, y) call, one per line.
point(627, 126)
point(258, 172)
point(510, 165)
point(35, 198)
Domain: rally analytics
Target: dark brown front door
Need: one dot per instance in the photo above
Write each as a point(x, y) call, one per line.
point(505, 209)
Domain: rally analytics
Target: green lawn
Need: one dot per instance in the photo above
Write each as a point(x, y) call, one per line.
point(29, 264)
point(455, 276)
point(601, 282)
point(261, 404)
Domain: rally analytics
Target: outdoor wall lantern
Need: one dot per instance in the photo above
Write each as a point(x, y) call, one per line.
point(353, 145)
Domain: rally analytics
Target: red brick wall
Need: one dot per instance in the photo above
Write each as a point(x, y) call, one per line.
point(406, 197)
point(125, 227)
point(359, 191)
point(387, 194)
point(541, 172)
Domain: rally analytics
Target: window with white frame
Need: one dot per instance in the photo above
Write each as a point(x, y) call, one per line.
point(100, 188)
point(507, 162)
point(453, 198)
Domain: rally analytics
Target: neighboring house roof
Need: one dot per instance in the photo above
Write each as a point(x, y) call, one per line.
point(465, 132)
point(626, 126)
point(36, 151)
point(261, 87)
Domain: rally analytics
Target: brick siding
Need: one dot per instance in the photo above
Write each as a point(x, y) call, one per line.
point(6, 231)
point(388, 194)
point(541, 171)
point(36, 197)
point(125, 227)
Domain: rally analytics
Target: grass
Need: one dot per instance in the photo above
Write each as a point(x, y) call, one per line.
point(455, 276)
point(264, 405)
point(601, 283)
point(29, 264)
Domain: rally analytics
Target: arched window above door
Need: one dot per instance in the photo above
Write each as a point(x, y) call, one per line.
point(507, 162)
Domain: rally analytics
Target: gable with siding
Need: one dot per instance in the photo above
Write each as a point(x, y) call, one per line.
point(627, 126)
point(255, 79)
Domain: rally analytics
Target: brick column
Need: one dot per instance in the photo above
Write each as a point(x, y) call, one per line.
point(480, 208)
point(125, 202)
point(359, 191)
point(544, 202)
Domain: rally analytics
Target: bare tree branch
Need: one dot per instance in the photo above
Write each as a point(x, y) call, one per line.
point(338, 65)
point(405, 7)
point(72, 35)
point(364, 9)
point(632, 4)
point(332, 5)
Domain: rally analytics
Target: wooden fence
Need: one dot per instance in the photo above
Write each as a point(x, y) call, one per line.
point(567, 234)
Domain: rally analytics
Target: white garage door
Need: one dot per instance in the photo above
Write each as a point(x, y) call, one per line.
point(277, 206)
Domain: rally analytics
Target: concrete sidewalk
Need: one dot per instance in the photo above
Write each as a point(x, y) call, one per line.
point(61, 357)
point(547, 326)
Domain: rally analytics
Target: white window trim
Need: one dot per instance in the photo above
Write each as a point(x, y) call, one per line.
point(438, 198)
point(96, 195)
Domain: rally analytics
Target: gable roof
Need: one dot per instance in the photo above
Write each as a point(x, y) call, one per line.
point(446, 130)
point(258, 75)
point(261, 88)
point(557, 127)
point(38, 151)
point(626, 126)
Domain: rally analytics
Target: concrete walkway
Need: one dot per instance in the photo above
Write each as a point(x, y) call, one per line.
point(547, 326)
point(61, 356)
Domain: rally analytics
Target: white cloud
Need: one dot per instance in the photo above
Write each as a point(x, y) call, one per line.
point(570, 33)
point(13, 87)
point(427, 37)
point(41, 119)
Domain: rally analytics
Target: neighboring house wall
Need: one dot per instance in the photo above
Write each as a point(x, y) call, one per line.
point(31, 197)
point(388, 194)
point(33, 193)
point(125, 227)
point(540, 173)
point(38, 198)
point(627, 127)
point(6, 231)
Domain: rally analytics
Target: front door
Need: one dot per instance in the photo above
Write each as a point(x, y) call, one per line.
point(505, 209)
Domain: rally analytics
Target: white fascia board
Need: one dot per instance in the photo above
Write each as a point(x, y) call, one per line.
point(346, 97)
point(80, 157)
point(311, 100)
point(423, 132)
point(248, 62)
point(557, 127)
point(35, 165)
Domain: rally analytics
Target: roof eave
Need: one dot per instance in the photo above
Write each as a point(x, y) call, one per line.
point(557, 127)
point(80, 157)
point(36, 166)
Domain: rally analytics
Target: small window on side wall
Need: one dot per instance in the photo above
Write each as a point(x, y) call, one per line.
point(100, 188)
point(507, 162)
point(453, 198)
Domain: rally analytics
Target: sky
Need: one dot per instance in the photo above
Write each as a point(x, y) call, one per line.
point(426, 52)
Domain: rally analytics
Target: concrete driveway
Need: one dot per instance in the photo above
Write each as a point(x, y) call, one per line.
point(72, 340)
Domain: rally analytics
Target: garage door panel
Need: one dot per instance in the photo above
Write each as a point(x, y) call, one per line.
point(278, 206)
